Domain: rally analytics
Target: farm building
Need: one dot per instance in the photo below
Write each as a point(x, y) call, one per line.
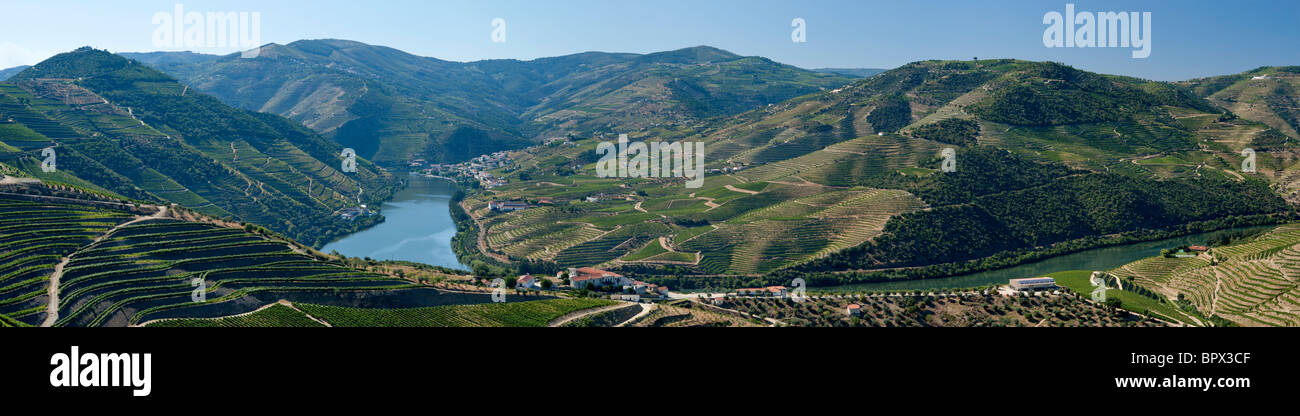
point(853, 309)
point(526, 281)
point(1033, 284)
point(625, 297)
point(583, 276)
point(643, 288)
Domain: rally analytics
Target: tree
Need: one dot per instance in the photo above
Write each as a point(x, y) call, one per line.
point(481, 269)
point(1113, 303)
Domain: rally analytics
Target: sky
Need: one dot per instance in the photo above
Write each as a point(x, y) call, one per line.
point(1189, 39)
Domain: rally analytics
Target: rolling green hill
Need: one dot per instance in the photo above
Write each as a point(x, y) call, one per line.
point(392, 106)
point(845, 185)
point(1270, 95)
point(122, 128)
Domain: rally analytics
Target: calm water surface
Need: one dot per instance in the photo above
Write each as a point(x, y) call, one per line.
point(417, 227)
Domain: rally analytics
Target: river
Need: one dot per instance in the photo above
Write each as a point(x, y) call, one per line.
point(417, 227)
point(1104, 258)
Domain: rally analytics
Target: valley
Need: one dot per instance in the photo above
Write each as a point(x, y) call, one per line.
point(835, 181)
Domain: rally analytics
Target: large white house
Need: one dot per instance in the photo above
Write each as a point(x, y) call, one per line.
point(586, 276)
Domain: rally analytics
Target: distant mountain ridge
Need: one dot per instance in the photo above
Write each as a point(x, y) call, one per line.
point(9, 72)
point(391, 105)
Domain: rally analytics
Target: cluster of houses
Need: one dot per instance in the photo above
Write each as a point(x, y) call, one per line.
point(476, 168)
point(727, 169)
point(591, 278)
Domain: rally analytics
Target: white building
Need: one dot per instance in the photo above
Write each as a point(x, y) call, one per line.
point(1033, 284)
point(526, 281)
point(586, 276)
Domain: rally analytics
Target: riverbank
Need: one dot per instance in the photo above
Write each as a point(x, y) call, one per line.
point(1100, 258)
point(929, 276)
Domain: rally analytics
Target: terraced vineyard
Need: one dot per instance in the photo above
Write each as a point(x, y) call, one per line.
point(276, 315)
point(34, 236)
point(687, 314)
point(1256, 283)
point(757, 227)
point(118, 264)
point(536, 313)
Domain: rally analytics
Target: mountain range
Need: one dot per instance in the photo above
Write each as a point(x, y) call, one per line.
point(392, 106)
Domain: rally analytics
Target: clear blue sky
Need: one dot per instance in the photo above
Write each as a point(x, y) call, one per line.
point(1190, 38)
